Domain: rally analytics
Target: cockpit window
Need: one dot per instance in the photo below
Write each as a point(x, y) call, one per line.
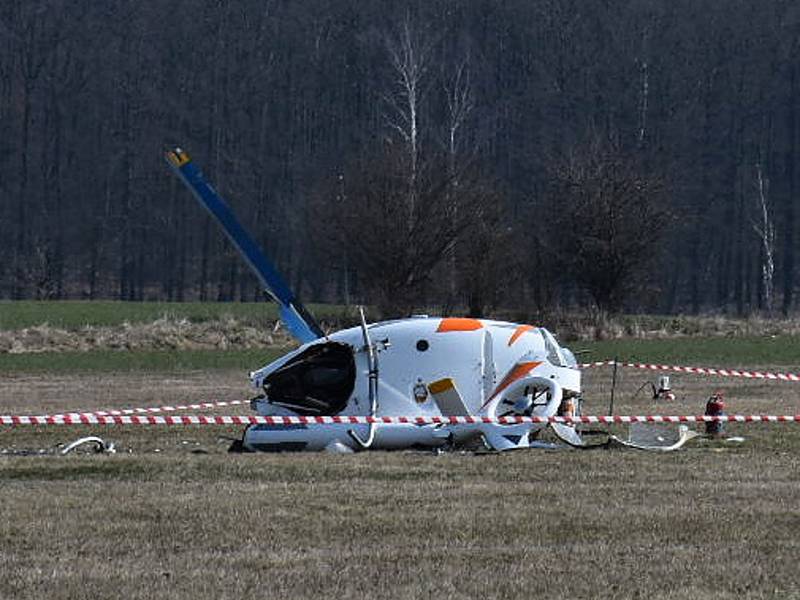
point(553, 351)
point(317, 382)
point(572, 362)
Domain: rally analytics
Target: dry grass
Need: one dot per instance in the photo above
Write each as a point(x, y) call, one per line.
point(159, 521)
point(165, 333)
point(401, 526)
point(226, 331)
point(588, 326)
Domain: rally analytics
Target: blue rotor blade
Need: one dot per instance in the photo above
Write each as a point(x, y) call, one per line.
point(297, 320)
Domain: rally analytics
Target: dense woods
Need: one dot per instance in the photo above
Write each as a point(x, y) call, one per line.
point(524, 154)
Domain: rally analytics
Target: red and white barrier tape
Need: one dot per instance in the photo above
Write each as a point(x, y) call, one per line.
point(602, 363)
point(155, 409)
point(698, 370)
point(365, 420)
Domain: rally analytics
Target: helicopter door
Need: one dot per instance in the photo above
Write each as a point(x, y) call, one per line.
point(317, 382)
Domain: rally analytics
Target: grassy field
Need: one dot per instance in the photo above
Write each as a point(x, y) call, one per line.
point(557, 525)
point(782, 351)
point(707, 351)
point(173, 515)
point(105, 332)
point(75, 314)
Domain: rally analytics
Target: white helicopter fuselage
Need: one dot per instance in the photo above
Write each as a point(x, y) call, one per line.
point(410, 367)
point(422, 366)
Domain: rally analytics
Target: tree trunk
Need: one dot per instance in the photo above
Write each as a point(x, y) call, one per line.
point(789, 204)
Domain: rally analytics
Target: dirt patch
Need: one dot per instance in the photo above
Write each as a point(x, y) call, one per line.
point(47, 394)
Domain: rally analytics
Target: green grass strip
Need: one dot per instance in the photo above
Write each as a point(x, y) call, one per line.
point(714, 351)
point(71, 314)
point(702, 351)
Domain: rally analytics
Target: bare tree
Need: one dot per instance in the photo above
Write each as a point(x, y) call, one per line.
point(34, 43)
point(607, 217)
point(764, 227)
point(460, 98)
point(490, 266)
point(410, 53)
point(273, 96)
point(358, 215)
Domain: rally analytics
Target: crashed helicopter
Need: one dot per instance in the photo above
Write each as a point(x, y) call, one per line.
point(416, 366)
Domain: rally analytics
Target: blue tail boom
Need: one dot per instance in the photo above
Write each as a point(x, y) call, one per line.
point(294, 315)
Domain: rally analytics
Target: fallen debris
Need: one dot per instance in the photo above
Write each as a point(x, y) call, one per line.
point(100, 445)
point(655, 438)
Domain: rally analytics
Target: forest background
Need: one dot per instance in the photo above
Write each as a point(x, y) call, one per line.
point(538, 154)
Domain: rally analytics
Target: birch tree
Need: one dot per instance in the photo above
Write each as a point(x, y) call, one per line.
point(765, 230)
point(460, 101)
point(410, 53)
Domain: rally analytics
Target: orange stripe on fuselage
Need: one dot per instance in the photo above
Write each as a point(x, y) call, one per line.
point(518, 333)
point(517, 372)
point(458, 324)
